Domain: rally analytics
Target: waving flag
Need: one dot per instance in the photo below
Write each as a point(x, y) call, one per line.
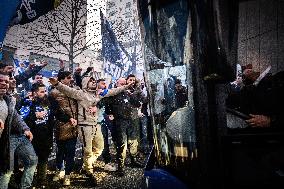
point(20, 12)
point(117, 62)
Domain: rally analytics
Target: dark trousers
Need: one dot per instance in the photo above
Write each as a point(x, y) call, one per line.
point(105, 154)
point(43, 151)
point(126, 135)
point(66, 151)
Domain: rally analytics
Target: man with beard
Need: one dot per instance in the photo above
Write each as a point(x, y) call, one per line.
point(124, 108)
point(66, 147)
point(40, 119)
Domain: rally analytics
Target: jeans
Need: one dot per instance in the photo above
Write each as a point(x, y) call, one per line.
point(66, 151)
point(105, 154)
point(20, 146)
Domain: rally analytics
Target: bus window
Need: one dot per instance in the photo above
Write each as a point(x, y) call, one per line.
point(169, 77)
point(256, 96)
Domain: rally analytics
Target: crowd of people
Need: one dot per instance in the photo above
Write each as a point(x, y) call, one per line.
point(74, 106)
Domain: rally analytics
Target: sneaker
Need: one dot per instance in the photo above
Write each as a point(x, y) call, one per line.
point(110, 167)
point(66, 180)
point(58, 175)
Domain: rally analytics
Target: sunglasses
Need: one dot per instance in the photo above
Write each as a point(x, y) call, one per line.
point(69, 77)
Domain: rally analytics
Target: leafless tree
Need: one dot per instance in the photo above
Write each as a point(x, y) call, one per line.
point(63, 31)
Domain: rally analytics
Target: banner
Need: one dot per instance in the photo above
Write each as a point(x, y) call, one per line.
point(117, 61)
point(21, 12)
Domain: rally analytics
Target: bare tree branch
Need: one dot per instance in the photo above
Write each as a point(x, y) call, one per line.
point(63, 31)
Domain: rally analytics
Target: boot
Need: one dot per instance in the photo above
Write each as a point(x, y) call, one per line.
point(41, 175)
point(59, 175)
point(66, 180)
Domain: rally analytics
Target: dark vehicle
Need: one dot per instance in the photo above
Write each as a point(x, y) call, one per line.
point(212, 128)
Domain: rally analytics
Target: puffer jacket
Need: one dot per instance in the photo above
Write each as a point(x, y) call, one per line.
point(66, 104)
point(86, 99)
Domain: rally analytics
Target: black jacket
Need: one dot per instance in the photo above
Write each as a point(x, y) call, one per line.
point(42, 129)
point(124, 105)
point(266, 98)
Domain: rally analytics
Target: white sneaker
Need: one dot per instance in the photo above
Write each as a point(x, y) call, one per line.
point(66, 180)
point(58, 175)
point(110, 167)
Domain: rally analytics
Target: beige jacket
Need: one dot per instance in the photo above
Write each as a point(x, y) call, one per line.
point(87, 99)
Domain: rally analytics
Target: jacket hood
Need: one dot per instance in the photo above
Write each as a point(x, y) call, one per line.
point(85, 82)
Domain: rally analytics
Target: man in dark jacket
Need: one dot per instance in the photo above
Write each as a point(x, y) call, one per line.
point(262, 98)
point(31, 71)
point(22, 80)
point(124, 108)
point(15, 137)
point(40, 119)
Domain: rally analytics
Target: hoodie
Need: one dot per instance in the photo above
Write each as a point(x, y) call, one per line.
point(87, 98)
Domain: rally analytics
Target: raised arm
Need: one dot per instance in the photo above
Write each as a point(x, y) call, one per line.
point(77, 94)
point(29, 72)
point(116, 91)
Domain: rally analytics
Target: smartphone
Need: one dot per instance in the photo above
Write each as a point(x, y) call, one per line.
point(239, 114)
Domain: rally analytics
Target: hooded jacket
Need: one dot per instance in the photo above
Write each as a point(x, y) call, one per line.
point(87, 98)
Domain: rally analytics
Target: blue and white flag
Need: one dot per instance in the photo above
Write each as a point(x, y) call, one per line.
point(21, 12)
point(117, 61)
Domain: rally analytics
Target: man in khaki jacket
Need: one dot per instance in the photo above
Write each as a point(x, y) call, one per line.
point(90, 130)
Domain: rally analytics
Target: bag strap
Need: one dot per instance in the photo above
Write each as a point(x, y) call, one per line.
point(84, 113)
point(71, 108)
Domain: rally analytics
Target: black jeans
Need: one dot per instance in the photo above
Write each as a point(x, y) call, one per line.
point(105, 154)
point(66, 151)
point(43, 151)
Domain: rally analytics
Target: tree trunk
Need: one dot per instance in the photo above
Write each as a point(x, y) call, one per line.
point(71, 59)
